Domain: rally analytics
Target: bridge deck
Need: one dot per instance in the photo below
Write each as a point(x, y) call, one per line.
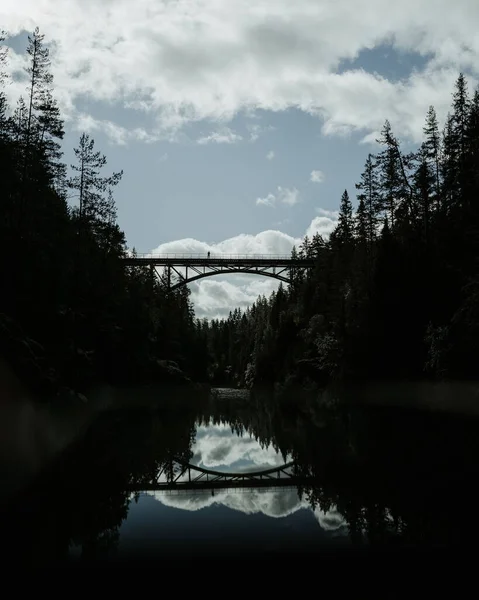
point(183, 260)
point(283, 482)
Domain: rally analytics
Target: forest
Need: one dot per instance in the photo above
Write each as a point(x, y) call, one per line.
point(71, 314)
point(392, 294)
point(395, 290)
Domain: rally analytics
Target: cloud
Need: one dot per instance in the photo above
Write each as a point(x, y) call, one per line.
point(328, 213)
point(316, 176)
point(322, 225)
point(187, 61)
point(163, 157)
point(217, 448)
point(214, 297)
point(270, 155)
point(255, 130)
point(274, 504)
point(277, 504)
point(223, 136)
point(286, 196)
point(269, 200)
point(265, 242)
point(116, 133)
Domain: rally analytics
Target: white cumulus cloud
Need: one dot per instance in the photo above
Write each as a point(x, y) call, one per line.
point(287, 196)
point(270, 155)
point(322, 225)
point(189, 60)
point(214, 297)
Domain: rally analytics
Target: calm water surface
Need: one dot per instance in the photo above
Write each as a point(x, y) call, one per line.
point(228, 520)
point(362, 477)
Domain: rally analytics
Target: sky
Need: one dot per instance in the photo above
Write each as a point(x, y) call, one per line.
point(238, 124)
point(218, 449)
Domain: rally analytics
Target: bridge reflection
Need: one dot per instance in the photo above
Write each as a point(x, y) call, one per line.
point(181, 476)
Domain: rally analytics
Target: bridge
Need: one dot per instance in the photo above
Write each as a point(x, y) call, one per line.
point(182, 269)
point(178, 475)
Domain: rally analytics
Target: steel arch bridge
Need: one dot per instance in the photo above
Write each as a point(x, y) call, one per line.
point(179, 475)
point(182, 269)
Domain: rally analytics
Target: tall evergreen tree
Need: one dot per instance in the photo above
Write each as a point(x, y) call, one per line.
point(432, 147)
point(343, 234)
point(455, 144)
point(361, 223)
point(90, 185)
point(424, 182)
point(3, 97)
point(39, 83)
point(370, 194)
point(449, 166)
point(460, 115)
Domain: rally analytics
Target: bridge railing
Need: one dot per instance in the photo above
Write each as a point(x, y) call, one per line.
point(213, 255)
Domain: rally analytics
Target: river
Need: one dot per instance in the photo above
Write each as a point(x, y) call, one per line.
point(232, 473)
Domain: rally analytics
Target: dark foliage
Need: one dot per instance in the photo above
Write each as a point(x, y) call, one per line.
point(70, 312)
point(396, 286)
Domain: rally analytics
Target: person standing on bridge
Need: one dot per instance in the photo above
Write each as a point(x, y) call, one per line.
point(209, 254)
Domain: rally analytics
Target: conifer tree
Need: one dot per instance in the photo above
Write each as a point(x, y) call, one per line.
point(370, 195)
point(3, 97)
point(361, 223)
point(43, 127)
point(424, 183)
point(91, 186)
point(343, 234)
point(432, 147)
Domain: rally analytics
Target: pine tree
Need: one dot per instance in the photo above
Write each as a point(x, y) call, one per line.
point(396, 190)
point(8, 184)
point(370, 195)
point(449, 166)
point(343, 234)
point(456, 144)
point(361, 223)
point(304, 248)
point(460, 115)
point(44, 126)
point(295, 274)
point(4, 129)
point(472, 157)
point(19, 122)
point(432, 147)
point(40, 80)
point(50, 129)
point(91, 187)
point(424, 183)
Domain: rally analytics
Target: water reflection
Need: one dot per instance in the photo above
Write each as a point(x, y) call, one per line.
point(371, 476)
point(218, 446)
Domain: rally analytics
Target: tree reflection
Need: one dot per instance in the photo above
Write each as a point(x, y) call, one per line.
point(395, 476)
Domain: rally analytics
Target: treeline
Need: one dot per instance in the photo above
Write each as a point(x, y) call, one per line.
point(395, 289)
point(70, 312)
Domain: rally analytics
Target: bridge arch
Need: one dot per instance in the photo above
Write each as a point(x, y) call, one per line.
point(246, 271)
point(237, 475)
